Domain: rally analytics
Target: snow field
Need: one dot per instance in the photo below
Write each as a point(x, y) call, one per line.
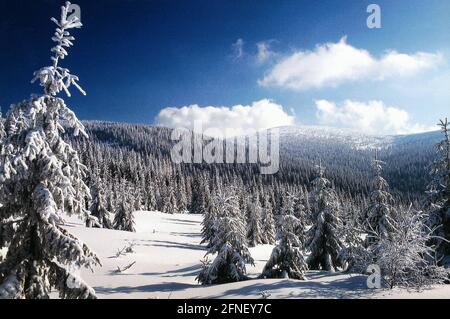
point(168, 253)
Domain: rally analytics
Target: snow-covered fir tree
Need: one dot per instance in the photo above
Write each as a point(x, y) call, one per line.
point(306, 206)
point(6, 227)
point(268, 223)
point(181, 201)
point(297, 203)
point(229, 243)
point(137, 202)
point(41, 179)
point(289, 204)
point(254, 222)
point(170, 200)
point(123, 216)
point(323, 238)
point(379, 214)
point(352, 236)
point(150, 196)
point(98, 204)
point(438, 201)
point(209, 222)
point(200, 196)
point(286, 260)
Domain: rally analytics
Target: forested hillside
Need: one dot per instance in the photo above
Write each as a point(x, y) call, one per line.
point(133, 163)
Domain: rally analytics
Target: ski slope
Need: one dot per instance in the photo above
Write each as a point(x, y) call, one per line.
point(167, 259)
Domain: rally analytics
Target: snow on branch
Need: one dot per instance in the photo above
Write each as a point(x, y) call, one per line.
point(128, 249)
point(125, 268)
point(70, 286)
point(54, 78)
point(10, 287)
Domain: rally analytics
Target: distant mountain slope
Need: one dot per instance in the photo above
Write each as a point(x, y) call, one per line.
point(354, 139)
point(345, 153)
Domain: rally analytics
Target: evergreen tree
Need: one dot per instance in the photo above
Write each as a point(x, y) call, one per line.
point(98, 204)
point(137, 203)
point(180, 194)
point(209, 222)
point(110, 200)
point(151, 198)
point(378, 218)
point(289, 204)
point(200, 194)
point(438, 201)
point(306, 205)
point(42, 177)
point(324, 241)
point(254, 222)
point(268, 223)
point(123, 218)
point(229, 243)
point(6, 228)
point(286, 260)
point(352, 236)
point(299, 211)
point(170, 202)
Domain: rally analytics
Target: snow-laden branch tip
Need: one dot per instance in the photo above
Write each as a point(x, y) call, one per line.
point(54, 78)
point(123, 269)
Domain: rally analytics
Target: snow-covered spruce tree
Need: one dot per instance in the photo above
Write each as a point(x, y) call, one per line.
point(438, 201)
point(323, 238)
point(6, 226)
point(209, 223)
point(42, 178)
point(268, 223)
point(378, 217)
point(170, 201)
point(123, 217)
point(286, 260)
point(137, 202)
point(352, 236)
point(98, 204)
point(306, 205)
point(254, 222)
point(200, 196)
point(297, 202)
point(229, 243)
point(151, 198)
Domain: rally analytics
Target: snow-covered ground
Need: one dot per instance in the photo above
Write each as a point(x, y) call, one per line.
point(168, 253)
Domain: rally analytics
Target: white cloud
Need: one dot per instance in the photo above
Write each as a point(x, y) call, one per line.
point(235, 120)
point(372, 117)
point(264, 52)
point(238, 49)
point(332, 64)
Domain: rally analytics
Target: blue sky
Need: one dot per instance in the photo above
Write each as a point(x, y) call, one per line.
point(135, 58)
